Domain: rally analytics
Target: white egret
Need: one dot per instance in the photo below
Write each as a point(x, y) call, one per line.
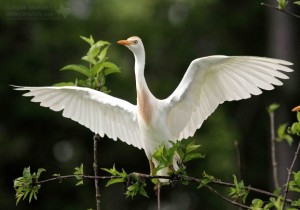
point(208, 82)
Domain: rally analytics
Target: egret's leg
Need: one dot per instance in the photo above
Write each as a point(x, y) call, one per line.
point(151, 166)
point(158, 194)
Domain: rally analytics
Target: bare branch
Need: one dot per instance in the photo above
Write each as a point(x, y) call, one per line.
point(172, 178)
point(95, 166)
point(289, 176)
point(227, 199)
point(281, 10)
point(273, 150)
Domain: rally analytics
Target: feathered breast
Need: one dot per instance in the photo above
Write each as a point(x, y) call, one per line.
point(144, 106)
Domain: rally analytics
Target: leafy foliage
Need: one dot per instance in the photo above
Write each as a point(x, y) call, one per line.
point(282, 4)
point(118, 176)
point(27, 184)
point(282, 135)
point(294, 185)
point(79, 174)
point(205, 180)
point(178, 152)
point(239, 191)
point(135, 185)
point(295, 128)
point(97, 68)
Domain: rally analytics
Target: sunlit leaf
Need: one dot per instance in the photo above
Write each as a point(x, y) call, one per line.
point(88, 40)
point(191, 147)
point(193, 156)
point(272, 108)
point(64, 84)
point(282, 135)
point(78, 68)
point(110, 68)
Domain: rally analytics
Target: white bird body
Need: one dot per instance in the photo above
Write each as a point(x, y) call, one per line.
point(208, 82)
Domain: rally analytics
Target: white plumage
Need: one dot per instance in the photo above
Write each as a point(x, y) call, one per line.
point(208, 82)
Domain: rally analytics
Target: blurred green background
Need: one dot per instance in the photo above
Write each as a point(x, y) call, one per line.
point(37, 38)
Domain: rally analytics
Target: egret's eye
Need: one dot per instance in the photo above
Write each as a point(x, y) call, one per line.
point(135, 41)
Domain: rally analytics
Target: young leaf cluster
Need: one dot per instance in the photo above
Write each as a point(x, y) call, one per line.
point(118, 177)
point(294, 185)
point(179, 152)
point(282, 135)
point(205, 180)
point(295, 128)
point(135, 185)
point(239, 190)
point(96, 69)
point(26, 185)
point(79, 174)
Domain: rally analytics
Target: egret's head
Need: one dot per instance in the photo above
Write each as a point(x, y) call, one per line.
point(134, 43)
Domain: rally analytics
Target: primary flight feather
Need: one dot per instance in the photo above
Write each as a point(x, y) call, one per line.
point(208, 82)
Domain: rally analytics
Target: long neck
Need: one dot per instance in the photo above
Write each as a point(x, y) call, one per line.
point(139, 67)
point(144, 96)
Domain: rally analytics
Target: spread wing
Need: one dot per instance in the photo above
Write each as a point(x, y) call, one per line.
point(210, 81)
point(101, 113)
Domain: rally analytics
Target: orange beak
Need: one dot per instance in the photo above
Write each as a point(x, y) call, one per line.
point(297, 108)
point(124, 42)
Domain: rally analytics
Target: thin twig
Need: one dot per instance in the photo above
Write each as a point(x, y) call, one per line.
point(221, 183)
point(273, 150)
point(289, 176)
point(95, 166)
point(281, 10)
point(238, 155)
point(239, 164)
point(227, 199)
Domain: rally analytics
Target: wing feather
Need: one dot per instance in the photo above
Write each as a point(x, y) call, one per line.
point(101, 113)
point(212, 80)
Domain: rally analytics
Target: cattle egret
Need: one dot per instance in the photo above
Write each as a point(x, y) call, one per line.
point(208, 82)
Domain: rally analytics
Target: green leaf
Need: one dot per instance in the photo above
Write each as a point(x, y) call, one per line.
point(294, 185)
point(102, 54)
point(93, 51)
point(282, 135)
point(277, 202)
point(239, 191)
point(97, 68)
point(110, 68)
point(296, 203)
point(136, 188)
point(192, 156)
point(257, 204)
point(281, 4)
point(295, 128)
point(298, 116)
point(40, 170)
point(88, 40)
point(297, 2)
point(114, 181)
point(192, 147)
point(78, 68)
point(27, 184)
point(273, 107)
point(79, 174)
point(64, 84)
point(119, 176)
point(206, 180)
point(277, 191)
